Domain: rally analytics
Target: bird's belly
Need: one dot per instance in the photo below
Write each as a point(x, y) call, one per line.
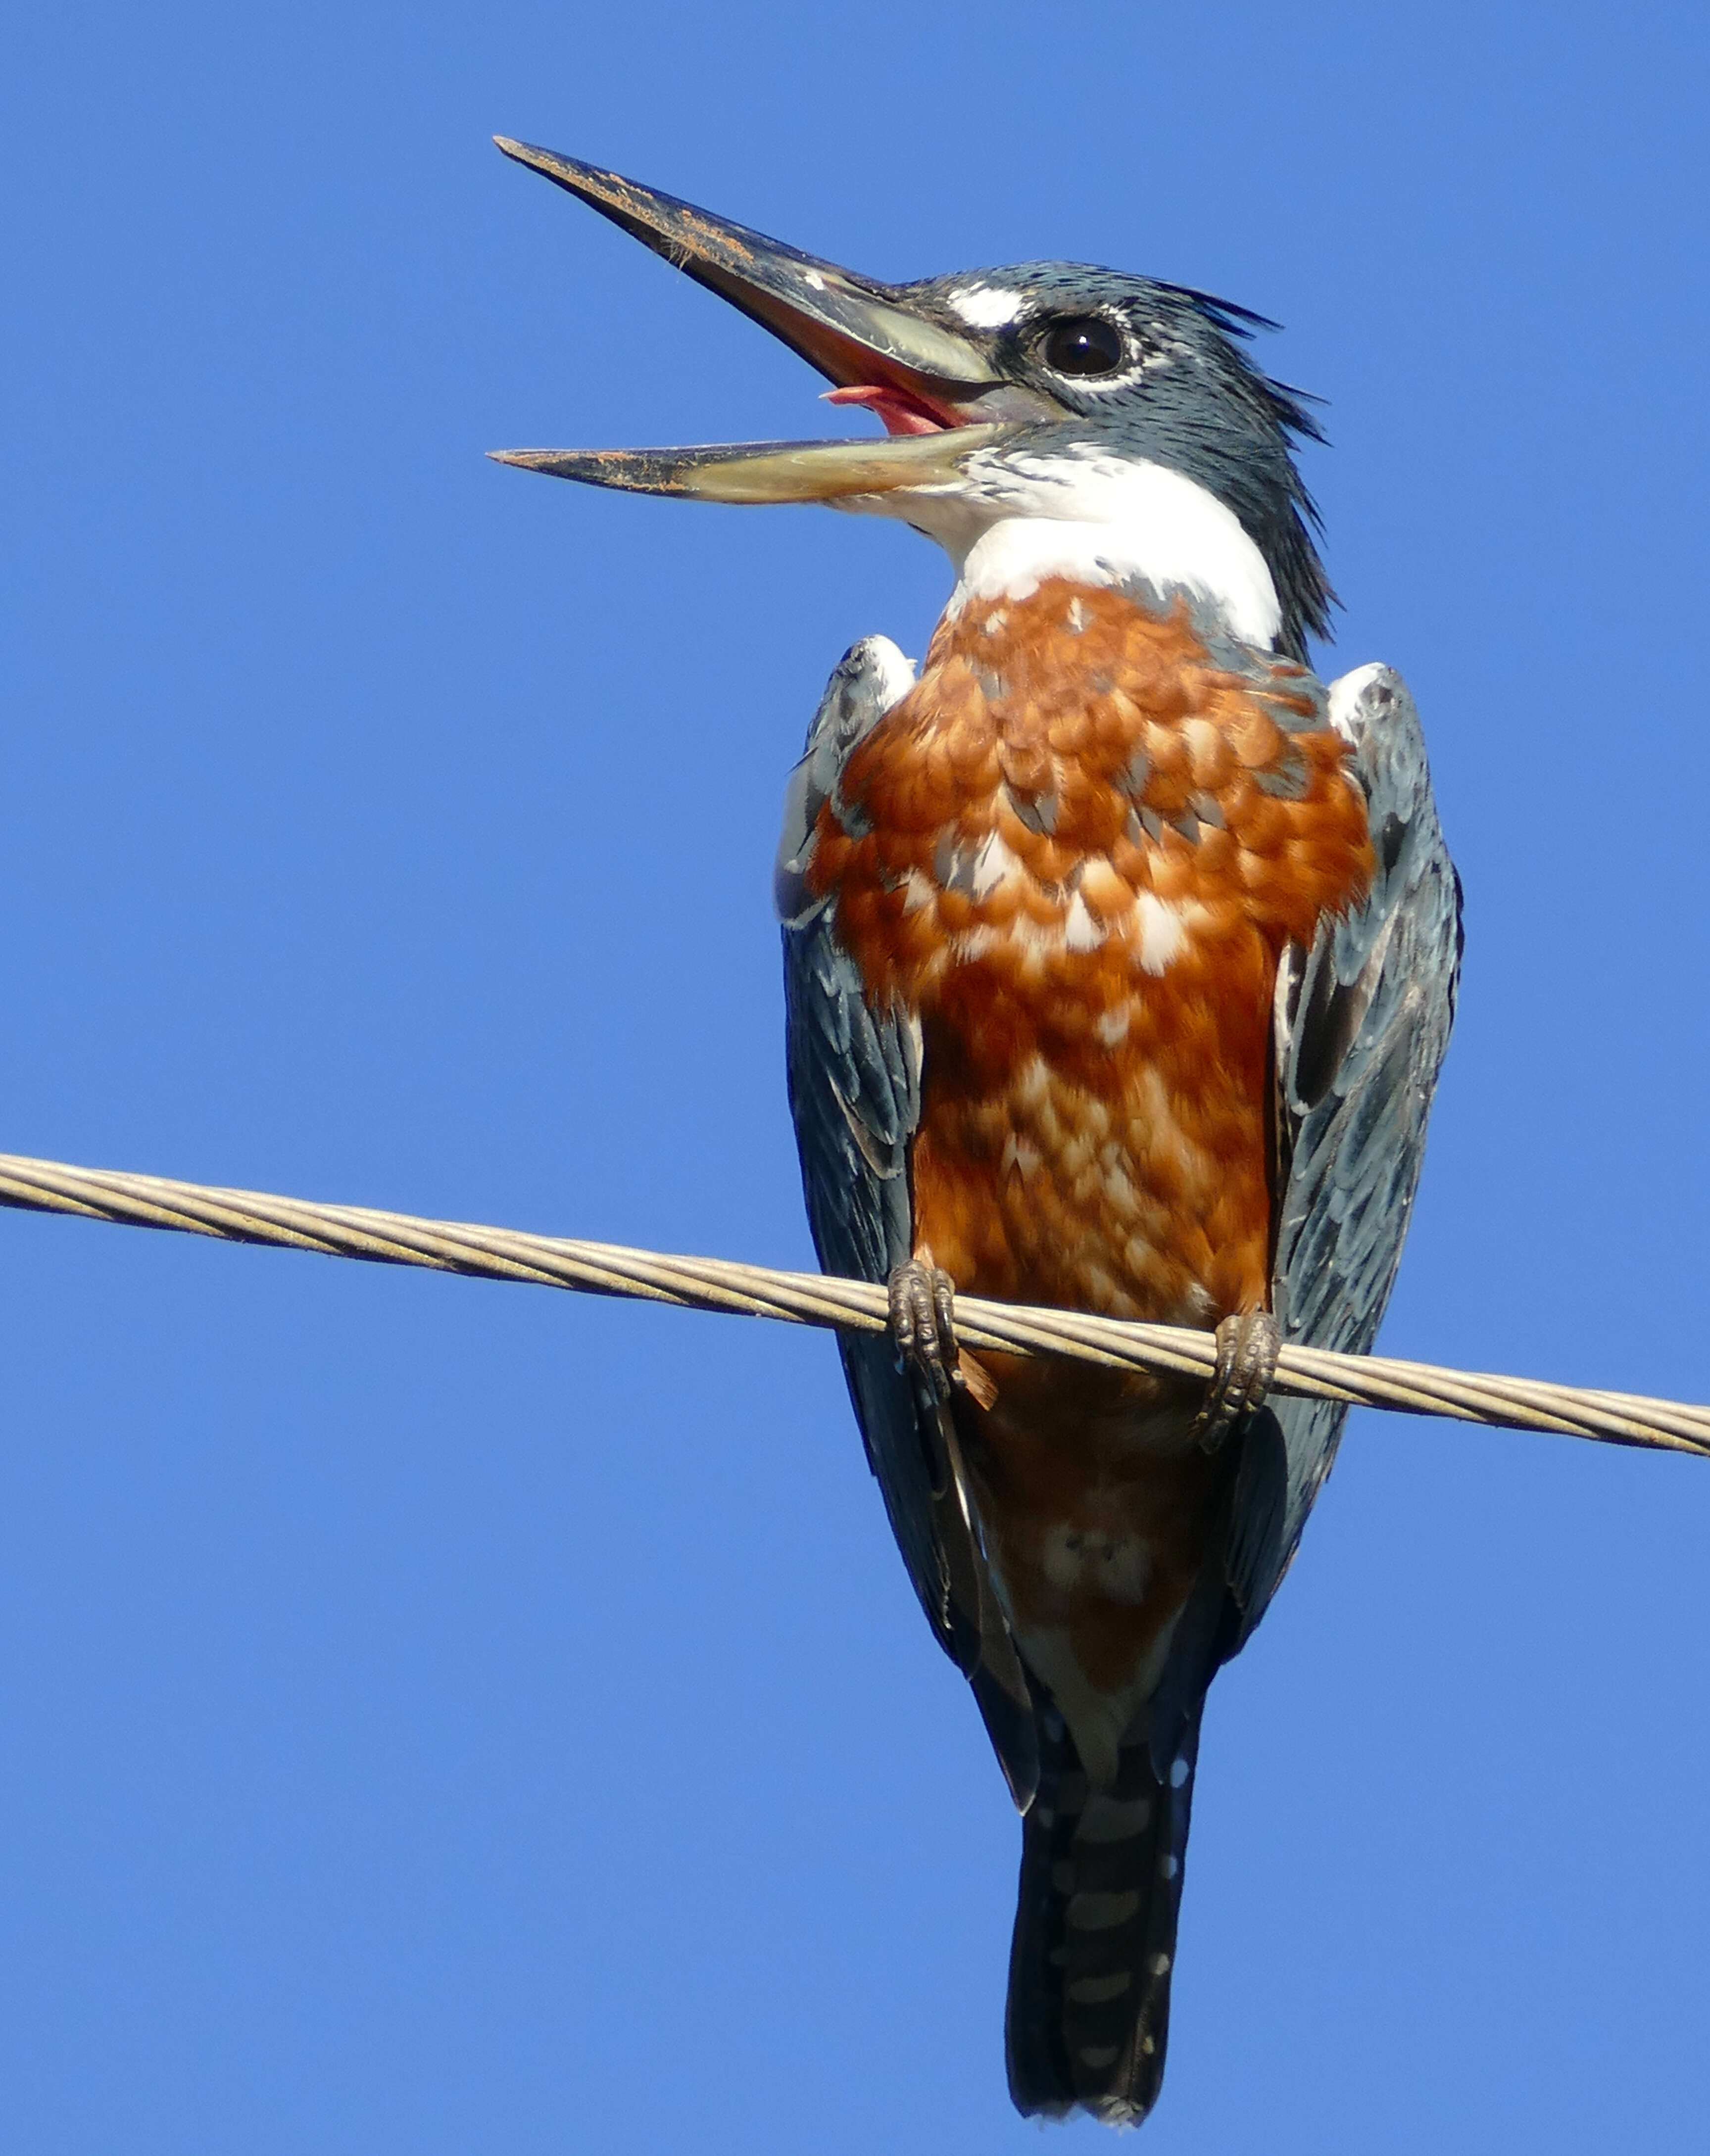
point(1130, 1180)
point(1096, 1507)
point(1092, 1136)
point(1095, 1143)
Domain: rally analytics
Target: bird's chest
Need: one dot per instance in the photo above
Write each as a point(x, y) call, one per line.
point(1075, 851)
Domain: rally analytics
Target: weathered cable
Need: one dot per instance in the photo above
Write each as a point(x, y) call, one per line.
point(720, 1284)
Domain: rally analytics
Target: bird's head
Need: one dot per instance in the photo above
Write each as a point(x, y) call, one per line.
point(1046, 418)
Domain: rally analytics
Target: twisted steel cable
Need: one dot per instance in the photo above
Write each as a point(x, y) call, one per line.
point(819, 1299)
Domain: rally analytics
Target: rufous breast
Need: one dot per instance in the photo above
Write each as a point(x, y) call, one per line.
point(1075, 851)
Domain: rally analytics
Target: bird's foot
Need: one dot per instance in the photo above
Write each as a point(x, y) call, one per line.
point(923, 1329)
point(1246, 1361)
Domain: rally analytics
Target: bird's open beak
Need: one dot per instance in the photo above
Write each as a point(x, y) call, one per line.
point(936, 391)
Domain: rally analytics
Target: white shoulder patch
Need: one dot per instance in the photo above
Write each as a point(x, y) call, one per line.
point(983, 307)
point(893, 671)
point(1345, 693)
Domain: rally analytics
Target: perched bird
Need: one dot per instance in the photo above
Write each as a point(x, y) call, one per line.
point(1119, 955)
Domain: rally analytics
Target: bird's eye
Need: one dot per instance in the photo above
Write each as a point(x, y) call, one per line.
point(1084, 345)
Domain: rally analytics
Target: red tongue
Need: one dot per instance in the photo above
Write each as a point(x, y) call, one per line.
point(899, 411)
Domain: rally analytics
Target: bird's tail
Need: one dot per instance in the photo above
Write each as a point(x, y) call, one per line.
point(1096, 1929)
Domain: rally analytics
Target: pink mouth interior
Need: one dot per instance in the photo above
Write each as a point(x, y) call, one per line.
point(901, 410)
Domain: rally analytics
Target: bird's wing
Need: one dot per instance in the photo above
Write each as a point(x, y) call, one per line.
point(1362, 1021)
point(854, 1073)
point(1360, 1025)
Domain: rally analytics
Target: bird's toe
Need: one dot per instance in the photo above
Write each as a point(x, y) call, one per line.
point(1247, 1348)
point(923, 1327)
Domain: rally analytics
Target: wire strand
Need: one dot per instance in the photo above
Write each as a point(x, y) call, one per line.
point(820, 1299)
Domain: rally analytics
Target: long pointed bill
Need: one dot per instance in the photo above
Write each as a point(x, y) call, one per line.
point(767, 471)
point(936, 391)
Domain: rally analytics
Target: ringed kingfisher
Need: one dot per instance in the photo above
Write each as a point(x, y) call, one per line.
point(1120, 958)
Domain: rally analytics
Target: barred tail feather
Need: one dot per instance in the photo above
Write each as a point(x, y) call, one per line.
point(1095, 1930)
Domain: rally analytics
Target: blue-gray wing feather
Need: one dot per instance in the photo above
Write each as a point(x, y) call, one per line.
point(853, 1077)
point(1362, 1022)
point(853, 1074)
point(1360, 1026)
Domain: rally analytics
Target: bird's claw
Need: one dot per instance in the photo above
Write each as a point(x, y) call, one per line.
point(1246, 1361)
point(923, 1329)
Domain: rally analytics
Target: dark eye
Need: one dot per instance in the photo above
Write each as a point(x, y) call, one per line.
point(1084, 345)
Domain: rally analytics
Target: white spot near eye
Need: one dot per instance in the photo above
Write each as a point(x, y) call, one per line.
point(983, 307)
point(1179, 1771)
point(812, 277)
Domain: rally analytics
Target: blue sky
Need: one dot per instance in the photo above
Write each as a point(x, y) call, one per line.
point(438, 1716)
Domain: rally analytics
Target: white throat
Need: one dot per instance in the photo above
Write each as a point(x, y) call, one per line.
point(1095, 519)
